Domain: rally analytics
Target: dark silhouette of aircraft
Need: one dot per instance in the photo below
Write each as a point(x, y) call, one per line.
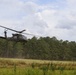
point(18, 36)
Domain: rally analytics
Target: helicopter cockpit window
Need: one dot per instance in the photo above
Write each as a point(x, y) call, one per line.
point(25, 38)
point(22, 37)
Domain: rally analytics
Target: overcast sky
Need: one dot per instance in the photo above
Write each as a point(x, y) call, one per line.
point(42, 17)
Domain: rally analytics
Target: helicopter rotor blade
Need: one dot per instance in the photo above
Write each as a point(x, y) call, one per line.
point(31, 34)
point(21, 32)
point(28, 34)
point(12, 29)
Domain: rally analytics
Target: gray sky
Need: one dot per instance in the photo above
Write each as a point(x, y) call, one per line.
point(42, 17)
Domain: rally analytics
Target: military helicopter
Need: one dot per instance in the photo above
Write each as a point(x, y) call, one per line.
point(18, 36)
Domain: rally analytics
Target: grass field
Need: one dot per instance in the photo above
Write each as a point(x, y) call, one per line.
point(36, 67)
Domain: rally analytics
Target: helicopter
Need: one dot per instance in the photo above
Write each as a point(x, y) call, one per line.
point(18, 36)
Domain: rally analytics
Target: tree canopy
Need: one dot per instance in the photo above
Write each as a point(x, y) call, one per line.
point(43, 48)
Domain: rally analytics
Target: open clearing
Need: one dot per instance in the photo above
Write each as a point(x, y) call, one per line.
point(12, 66)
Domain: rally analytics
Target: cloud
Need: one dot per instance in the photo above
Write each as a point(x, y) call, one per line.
point(54, 18)
point(66, 24)
point(11, 9)
point(30, 7)
point(35, 24)
point(61, 22)
point(21, 15)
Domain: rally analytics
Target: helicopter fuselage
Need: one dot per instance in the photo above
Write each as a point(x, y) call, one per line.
point(16, 37)
point(19, 37)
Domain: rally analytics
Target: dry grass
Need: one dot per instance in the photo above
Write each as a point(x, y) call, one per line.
point(12, 66)
point(28, 62)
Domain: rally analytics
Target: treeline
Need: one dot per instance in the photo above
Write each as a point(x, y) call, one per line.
point(43, 48)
